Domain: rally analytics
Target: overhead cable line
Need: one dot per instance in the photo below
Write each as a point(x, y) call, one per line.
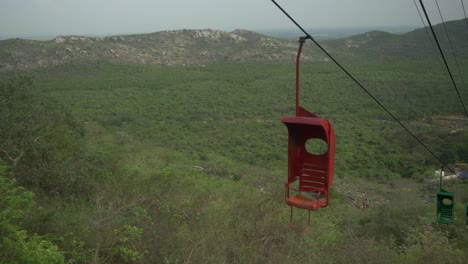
point(464, 13)
point(450, 43)
point(443, 58)
point(434, 49)
point(308, 36)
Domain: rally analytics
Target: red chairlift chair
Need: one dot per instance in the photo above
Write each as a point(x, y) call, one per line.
point(311, 173)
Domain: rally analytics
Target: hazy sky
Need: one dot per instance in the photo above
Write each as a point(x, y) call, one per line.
point(65, 17)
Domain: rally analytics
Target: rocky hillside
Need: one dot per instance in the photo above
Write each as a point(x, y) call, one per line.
point(201, 47)
point(416, 43)
point(181, 47)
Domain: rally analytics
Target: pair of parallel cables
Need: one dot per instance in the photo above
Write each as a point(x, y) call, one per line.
point(439, 47)
point(308, 36)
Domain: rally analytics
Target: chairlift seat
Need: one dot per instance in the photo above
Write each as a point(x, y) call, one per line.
point(313, 173)
point(302, 202)
point(445, 206)
point(466, 214)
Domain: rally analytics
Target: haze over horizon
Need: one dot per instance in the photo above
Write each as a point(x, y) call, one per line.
point(35, 18)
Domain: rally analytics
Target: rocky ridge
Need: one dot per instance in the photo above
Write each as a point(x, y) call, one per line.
point(207, 46)
point(177, 47)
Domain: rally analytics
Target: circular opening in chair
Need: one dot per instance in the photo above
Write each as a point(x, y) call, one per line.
point(316, 146)
point(447, 201)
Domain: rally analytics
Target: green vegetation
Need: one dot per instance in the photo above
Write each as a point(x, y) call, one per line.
point(16, 245)
point(157, 164)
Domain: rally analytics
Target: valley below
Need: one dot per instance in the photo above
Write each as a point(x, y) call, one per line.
point(168, 148)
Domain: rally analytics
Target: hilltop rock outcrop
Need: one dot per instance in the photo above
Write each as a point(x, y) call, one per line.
point(176, 47)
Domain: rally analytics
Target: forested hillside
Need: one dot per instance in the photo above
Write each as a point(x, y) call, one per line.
point(203, 47)
point(127, 162)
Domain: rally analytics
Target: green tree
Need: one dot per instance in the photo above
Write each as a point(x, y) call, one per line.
point(16, 246)
point(40, 139)
point(19, 128)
